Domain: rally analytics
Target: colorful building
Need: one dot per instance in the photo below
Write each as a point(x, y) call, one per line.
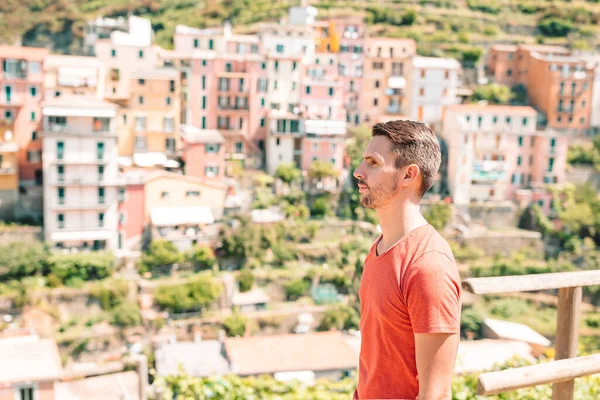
point(384, 79)
point(9, 173)
point(493, 151)
point(203, 153)
point(73, 75)
point(431, 87)
point(21, 91)
point(81, 180)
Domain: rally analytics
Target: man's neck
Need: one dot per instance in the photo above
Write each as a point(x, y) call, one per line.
point(396, 220)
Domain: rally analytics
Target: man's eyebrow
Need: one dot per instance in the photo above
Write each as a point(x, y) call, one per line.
point(375, 157)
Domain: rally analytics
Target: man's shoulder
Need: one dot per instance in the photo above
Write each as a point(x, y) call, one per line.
point(433, 245)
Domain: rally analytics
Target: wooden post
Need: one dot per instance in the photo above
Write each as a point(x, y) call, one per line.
point(567, 331)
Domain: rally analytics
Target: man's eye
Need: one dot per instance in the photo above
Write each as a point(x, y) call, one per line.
point(373, 162)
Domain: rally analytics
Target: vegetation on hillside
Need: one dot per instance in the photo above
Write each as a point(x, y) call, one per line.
point(456, 25)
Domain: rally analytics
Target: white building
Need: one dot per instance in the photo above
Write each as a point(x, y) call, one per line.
point(133, 31)
point(65, 74)
point(432, 87)
point(80, 172)
point(284, 142)
point(483, 149)
point(288, 40)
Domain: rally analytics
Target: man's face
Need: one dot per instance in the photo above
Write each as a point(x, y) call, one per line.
point(377, 174)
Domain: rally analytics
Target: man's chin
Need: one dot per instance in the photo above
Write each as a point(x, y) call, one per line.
point(367, 202)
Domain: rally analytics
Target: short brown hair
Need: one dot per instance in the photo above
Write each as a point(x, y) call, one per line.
point(414, 143)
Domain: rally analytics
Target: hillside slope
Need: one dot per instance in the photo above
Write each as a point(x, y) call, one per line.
point(438, 25)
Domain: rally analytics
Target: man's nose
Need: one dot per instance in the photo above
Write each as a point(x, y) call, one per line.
point(358, 174)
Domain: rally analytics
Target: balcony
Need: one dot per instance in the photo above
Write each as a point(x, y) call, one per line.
point(488, 171)
point(87, 233)
point(72, 205)
point(393, 109)
point(69, 130)
point(233, 107)
point(394, 92)
point(88, 181)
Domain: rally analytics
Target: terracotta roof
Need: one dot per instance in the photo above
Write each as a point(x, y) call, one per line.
point(494, 109)
point(22, 52)
point(28, 358)
point(112, 386)
point(270, 354)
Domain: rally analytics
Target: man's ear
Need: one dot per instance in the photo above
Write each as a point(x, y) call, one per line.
point(411, 174)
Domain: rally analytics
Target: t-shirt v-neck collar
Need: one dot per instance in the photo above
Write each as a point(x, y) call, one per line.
point(403, 238)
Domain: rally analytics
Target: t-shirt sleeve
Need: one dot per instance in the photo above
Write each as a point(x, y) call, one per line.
point(432, 294)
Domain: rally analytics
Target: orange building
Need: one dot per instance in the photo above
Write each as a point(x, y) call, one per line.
point(558, 84)
point(148, 123)
point(327, 38)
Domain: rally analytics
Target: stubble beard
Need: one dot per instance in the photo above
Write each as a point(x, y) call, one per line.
point(379, 195)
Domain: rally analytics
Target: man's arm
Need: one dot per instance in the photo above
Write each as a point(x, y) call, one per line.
point(436, 355)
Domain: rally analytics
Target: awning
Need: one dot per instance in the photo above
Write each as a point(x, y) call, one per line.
point(173, 216)
point(149, 159)
point(397, 82)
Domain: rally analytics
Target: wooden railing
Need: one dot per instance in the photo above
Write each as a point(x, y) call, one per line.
point(567, 366)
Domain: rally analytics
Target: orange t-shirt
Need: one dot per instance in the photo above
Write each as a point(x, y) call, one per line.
point(414, 287)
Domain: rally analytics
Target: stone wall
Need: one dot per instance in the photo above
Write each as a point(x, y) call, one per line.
point(11, 234)
point(494, 215)
point(503, 242)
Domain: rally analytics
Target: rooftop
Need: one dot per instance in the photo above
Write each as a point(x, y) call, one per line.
point(284, 353)
point(29, 358)
point(525, 111)
point(191, 134)
point(122, 385)
point(56, 61)
point(22, 52)
point(514, 331)
point(199, 359)
point(436, 62)
point(174, 216)
point(78, 102)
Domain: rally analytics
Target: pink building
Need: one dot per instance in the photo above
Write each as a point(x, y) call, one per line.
point(223, 89)
point(495, 152)
point(323, 141)
point(21, 88)
point(131, 209)
point(322, 89)
point(352, 37)
point(203, 153)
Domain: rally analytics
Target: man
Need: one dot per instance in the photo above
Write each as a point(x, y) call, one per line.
point(410, 288)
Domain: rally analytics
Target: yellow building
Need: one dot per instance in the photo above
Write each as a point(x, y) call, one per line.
point(148, 122)
point(171, 190)
point(9, 173)
point(327, 40)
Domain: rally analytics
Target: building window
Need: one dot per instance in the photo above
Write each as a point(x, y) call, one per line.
point(276, 65)
point(140, 100)
point(550, 164)
point(100, 150)
point(279, 48)
point(203, 122)
point(101, 195)
point(32, 116)
point(140, 142)
point(113, 53)
point(211, 44)
point(168, 124)
point(275, 84)
point(168, 100)
point(508, 120)
point(140, 124)
point(8, 115)
point(192, 193)
point(122, 194)
point(164, 195)
point(375, 101)
point(422, 73)
point(254, 48)
point(196, 43)
point(34, 156)
point(331, 91)
point(264, 65)
point(141, 82)
point(60, 150)
point(421, 92)
point(238, 147)
point(479, 121)
point(204, 63)
point(377, 65)
point(60, 219)
point(204, 102)
point(520, 141)
point(308, 90)
point(101, 124)
point(277, 141)
point(524, 121)
point(170, 144)
point(262, 122)
point(582, 120)
point(509, 72)
point(100, 172)
point(532, 141)
point(376, 84)
point(211, 171)
point(60, 172)
point(33, 91)
point(519, 160)
point(61, 195)
point(172, 86)
point(100, 220)
point(559, 119)
point(212, 148)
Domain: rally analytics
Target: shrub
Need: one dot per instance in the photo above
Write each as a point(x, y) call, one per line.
point(507, 308)
point(76, 269)
point(246, 280)
point(296, 289)
point(235, 325)
point(484, 6)
point(288, 173)
point(194, 295)
point(340, 317)
point(110, 293)
point(438, 215)
point(592, 322)
point(471, 320)
point(126, 314)
point(555, 27)
point(161, 253)
point(202, 256)
point(320, 208)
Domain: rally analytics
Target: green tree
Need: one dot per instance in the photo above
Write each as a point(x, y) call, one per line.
point(493, 93)
point(126, 314)
point(161, 253)
point(245, 279)
point(340, 317)
point(288, 173)
point(295, 289)
point(471, 56)
point(471, 320)
point(110, 292)
point(298, 212)
point(321, 208)
point(320, 170)
point(438, 215)
point(235, 325)
point(194, 295)
point(21, 259)
point(203, 256)
point(555, 27)
point(75, 269)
